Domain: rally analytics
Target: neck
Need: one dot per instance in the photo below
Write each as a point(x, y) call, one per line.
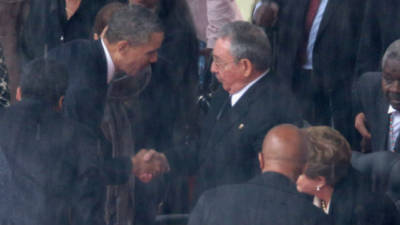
point(284, 171)
point(325, 193)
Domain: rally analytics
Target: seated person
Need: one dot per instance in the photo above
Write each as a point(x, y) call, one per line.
point(337, 188)
point(379, 103)
point(269, 198)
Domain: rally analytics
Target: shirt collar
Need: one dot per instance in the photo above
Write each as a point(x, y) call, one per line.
point(391, 109)
point(236, 96)
point(110, 63)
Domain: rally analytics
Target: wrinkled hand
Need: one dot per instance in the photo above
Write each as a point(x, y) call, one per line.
point(360, 125)
point(148, 164)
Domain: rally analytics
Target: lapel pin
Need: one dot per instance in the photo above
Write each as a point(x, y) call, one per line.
point(241, 126)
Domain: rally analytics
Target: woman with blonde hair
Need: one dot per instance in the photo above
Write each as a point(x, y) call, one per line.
point(337, 188)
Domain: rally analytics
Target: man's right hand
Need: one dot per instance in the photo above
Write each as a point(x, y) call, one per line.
point(148, 164)
point(360, 125)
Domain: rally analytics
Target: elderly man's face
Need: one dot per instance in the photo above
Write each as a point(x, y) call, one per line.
point(391, 82)
point(133, 59)
point(226, 69)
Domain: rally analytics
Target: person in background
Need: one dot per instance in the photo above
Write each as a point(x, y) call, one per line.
point(268, 198)
point(338, 189)
point(376, 95)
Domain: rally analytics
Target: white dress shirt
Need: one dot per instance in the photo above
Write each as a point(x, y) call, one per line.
point(313, 34)
point(110, 63)
point(396, 127)
point(236, 96)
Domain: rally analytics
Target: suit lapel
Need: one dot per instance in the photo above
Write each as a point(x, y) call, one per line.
point(238, 111)
point(326, 18)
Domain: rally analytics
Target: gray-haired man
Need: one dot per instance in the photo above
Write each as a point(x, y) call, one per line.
point(250, 103)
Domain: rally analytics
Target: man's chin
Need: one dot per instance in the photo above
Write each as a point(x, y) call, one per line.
point(395, 104)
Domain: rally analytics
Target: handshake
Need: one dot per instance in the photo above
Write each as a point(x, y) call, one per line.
point(148, 164)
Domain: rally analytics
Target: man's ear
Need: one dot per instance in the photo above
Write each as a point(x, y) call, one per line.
point(122, 46)
point(247, 67)
point(60, 103)
point(261, 161)
point(18, 95)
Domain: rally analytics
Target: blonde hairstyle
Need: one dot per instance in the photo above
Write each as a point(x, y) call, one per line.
point(329, 155)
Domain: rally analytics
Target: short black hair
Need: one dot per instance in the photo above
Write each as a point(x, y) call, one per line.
point(45, 80)
point(134, 23)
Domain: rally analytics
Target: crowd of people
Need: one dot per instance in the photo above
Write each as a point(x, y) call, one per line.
point(127, 110)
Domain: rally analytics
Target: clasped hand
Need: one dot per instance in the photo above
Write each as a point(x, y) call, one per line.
point(148, 164)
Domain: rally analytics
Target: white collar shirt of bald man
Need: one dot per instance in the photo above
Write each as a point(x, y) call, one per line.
point(110, 63)
point(394, 127)
point(236, 96)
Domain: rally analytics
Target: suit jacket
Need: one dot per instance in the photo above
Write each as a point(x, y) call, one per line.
point(270, 198)
point(86, 95)
point(335, 49)
point(382, 168)
point(381, 27)
point(353, 203)
point(228, 146)
point(371, 101)
point(55, 165)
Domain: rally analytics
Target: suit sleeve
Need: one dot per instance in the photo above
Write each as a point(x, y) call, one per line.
point(198, 215)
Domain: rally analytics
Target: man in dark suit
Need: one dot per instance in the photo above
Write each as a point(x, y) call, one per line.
point(381, 27)
point(57, 166)
point(377, 95)
point(250, 103)
point(269, 198)
point(316, 54)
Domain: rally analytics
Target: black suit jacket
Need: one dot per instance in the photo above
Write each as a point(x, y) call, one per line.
point(228, 147)
point(335, 47)
point(270, 198)
point(381, 27)
point(353, 203)
point(86, 95)
point(56, 166)
point(371, 101)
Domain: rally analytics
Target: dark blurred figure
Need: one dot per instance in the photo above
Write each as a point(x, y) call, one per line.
point(4, 91)
point(317, 48)
point(377, 96)
point(270, 198)
point(7, 191)
point(51, 158)
point(53, 22)
point(266, 15)
point(380, 28)
point(168, 105)
point(337, 188)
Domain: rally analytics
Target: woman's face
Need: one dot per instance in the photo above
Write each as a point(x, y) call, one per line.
point(151, 4)
point(307, 185)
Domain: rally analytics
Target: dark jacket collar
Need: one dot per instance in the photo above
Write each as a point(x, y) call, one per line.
point(274, 180)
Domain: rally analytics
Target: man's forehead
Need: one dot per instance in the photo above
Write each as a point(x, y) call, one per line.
point(392, 68)
point(222, 47)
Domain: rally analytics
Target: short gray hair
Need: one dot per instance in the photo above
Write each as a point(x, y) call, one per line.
point(134, 24)
point(392, 52)
point(248, 42)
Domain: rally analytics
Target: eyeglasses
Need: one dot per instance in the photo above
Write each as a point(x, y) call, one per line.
point(219, 64)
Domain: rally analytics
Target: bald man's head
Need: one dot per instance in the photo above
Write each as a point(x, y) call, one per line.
point(284, 151)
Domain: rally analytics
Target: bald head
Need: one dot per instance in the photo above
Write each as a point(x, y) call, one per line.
point(284, 151)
